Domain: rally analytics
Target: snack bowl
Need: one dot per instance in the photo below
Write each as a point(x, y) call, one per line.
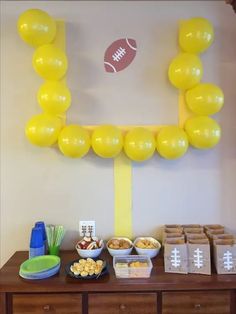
point(93, 253)
point(118, 252)
point(151, 252)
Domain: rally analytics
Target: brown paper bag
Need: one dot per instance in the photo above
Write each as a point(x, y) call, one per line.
point(224, 236)
point(196, 236)
point(172, 235)
point(173, 226)
point(193, 230)
point(199, 258)
point(211, 233)
point(192, 226)
point(225, 256)
point(173, 230)
point(175, 256)
point(214, 227)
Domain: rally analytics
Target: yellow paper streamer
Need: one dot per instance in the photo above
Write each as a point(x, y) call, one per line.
point(123, 196)
point(126, 128)
point(60, 39)
point(60, 42)
point(184, 112)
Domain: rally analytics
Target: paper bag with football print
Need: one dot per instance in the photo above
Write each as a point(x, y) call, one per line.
point(225, 256)
point(175, 256)
point(199, 257)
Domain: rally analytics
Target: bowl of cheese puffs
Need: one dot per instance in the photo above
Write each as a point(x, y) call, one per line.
point(147, 246)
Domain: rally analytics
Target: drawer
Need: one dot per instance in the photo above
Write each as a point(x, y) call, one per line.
point(47, 303)
point(233, 310)
point(2, 303)
point(204, 302)
point(122, 303)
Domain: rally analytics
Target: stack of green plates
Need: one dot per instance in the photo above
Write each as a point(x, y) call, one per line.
point(40, 267)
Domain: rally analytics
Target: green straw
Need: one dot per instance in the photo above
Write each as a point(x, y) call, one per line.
point(55, 235)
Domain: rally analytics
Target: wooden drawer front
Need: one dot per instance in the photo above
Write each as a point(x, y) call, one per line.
point(2, 303)
point(215, 302)
point(47, 303)
point(123, 303)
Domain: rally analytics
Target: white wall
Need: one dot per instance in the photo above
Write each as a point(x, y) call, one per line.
point(42, 184)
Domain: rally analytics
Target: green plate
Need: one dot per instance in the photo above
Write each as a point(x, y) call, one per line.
point(39, 264)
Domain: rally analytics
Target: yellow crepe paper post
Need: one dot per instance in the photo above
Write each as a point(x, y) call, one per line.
point(123, 196)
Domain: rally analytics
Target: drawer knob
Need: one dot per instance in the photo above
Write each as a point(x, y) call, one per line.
point(46, 308)
point(197, 306)
point(122, 307)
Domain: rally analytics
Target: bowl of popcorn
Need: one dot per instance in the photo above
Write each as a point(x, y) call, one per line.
point(89, 247)
point(119, 246)
point(147, 246)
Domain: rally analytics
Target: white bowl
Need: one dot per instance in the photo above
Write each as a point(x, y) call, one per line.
point(89, 253)
point(117, 252)
point(149, 252)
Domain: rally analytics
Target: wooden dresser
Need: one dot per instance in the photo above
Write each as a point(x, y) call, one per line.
point(161, 293)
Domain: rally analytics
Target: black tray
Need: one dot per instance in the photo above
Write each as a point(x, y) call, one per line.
point(71, 274)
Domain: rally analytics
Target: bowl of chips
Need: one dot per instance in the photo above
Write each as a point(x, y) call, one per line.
point(89, 247)
point(88, 268)
point(119, 246)
point(147, 246)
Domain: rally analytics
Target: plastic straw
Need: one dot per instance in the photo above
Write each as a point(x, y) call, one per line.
point(55, 235)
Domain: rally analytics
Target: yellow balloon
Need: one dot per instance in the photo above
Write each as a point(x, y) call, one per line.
point(50, 62)
point(74, 141)
point(107, 141)
point(54, 97)
point(185, 71)
point(36, 27)
point(139, 144)
point(172, 142)
point(196, 35)
point(205, 99)
point(43, 129)
point(203, 132)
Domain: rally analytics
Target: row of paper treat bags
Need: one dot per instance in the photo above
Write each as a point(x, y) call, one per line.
point(195, 248)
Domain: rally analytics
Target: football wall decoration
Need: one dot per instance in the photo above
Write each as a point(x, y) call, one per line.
point(119, 55)
point(139, 143)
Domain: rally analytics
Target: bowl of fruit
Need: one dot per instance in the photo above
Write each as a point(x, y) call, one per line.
point(89, 247)
point(147, 246)
point(119, 246)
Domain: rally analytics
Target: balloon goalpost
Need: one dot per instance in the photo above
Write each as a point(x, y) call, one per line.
point(139, 143)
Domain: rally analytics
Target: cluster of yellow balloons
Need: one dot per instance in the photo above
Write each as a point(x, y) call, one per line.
point(185, 72)
point(38, 29)
point(107, 141)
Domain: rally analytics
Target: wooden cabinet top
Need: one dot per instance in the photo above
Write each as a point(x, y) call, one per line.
point(10, 281)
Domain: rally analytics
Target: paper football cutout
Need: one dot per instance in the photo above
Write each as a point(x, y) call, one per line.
point(119, 55)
